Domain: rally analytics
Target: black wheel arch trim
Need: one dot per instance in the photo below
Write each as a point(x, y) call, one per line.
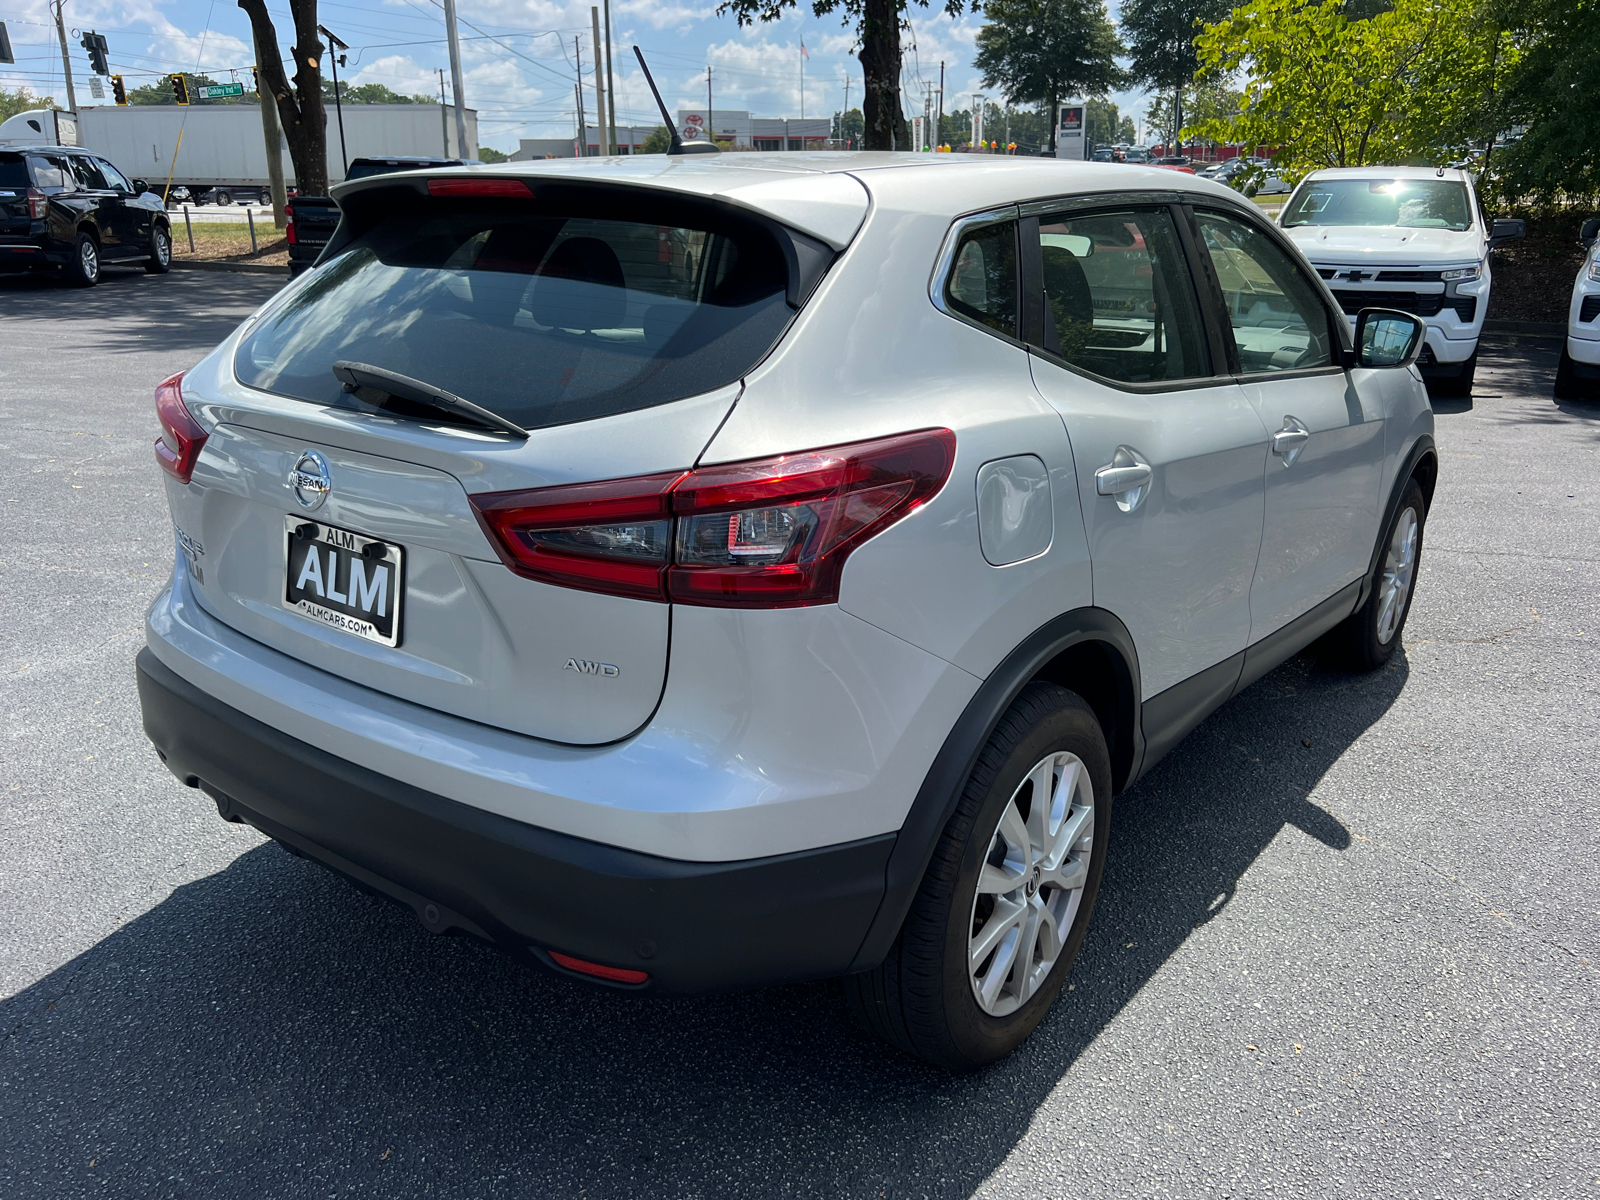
point(941, 787)
point(1422, 451)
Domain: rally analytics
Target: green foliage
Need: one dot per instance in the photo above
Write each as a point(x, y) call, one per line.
point(1049, 49)
point(1160, 37)
point(1029, 128)
point(658, 141)
point(851, 125)
point(1104, 125)
point(1414, 84)
point(370, 93)
point(21, 101)
point(1553, 87)
point(489, 154)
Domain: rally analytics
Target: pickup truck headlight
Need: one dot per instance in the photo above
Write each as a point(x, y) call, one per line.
point(1460, 274)
point(1594, 268)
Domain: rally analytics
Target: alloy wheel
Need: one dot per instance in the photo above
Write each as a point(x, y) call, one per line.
point(1031, 884)
point(163, 248)
point(1399, 568)
point(89, 258)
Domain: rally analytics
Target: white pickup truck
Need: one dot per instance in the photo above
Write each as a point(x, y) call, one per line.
point(1578, 375)
point(1412, 238)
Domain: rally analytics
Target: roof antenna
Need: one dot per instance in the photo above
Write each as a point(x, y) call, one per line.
point(678, 146)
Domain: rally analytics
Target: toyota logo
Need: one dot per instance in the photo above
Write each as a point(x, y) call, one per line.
point(310, 480)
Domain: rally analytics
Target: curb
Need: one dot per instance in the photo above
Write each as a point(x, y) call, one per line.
point(1527, 328)
point(242, 268)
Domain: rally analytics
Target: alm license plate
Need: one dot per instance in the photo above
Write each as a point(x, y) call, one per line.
point(344, 580)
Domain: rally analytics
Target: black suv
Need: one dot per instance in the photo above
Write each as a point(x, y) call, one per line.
point(64, 209)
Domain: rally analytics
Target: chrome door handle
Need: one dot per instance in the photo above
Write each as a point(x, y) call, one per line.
point(1126, 478)
point(1289, 441)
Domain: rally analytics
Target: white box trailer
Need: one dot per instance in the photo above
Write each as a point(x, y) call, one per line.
point(223, 147)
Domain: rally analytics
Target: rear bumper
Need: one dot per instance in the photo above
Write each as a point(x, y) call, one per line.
point(693, 926)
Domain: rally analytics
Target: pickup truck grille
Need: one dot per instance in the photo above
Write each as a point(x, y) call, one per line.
point(1387, 276)
point(1590, 309)
point(1423, 304)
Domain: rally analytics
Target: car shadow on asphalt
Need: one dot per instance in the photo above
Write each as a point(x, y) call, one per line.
point(269, 1029)
point(130, 311)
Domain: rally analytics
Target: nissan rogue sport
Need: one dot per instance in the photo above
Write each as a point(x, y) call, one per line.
point(702, 573)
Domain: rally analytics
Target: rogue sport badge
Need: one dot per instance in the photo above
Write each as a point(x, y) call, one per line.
point(310, 480)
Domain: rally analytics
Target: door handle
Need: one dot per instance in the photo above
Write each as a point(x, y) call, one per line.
point(1126, 478)
point(1289, 441)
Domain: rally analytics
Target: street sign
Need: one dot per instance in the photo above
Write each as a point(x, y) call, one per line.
point(219, 90)
point(96, 88)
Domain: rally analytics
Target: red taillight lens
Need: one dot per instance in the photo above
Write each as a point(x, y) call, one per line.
point(616, 974)
point(479, 187)
point(613, 536)
point(179, 444)
point(38, 204)
point(770, 533)
point(289, 234)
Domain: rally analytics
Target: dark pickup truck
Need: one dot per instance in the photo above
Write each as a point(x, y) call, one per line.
point(312, 219)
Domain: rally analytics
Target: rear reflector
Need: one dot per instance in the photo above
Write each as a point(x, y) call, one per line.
point(615, 974)
point(770, 533)
point(182, 436)
point(289, 234)
point(479, 187)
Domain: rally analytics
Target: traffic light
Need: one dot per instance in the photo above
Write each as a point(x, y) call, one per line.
point(180, 89)
point(256, 75)
point(95, 44)
point(118, 92)
point(6, 55)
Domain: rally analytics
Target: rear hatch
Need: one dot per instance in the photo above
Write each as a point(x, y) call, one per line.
point(14, 185)
point(337, 524)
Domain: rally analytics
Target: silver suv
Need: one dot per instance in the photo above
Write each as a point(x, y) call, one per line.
point(702, 573)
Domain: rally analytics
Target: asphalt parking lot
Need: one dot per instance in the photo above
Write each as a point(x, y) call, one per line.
point(1348, 942)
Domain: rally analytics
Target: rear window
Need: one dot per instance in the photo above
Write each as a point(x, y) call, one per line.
point(543, 317)
point(13, 171)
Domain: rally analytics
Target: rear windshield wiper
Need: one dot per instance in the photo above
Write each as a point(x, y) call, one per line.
point(378, 387)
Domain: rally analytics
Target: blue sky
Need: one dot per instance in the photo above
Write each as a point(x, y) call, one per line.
point(521, 81)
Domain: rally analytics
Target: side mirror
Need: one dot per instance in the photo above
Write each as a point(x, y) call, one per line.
point(1387, 338)
point(1505, 230)
point(140, 187)
point(1589, 232)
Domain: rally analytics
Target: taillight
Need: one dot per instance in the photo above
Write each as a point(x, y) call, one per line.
point(179, 444)
point(38, 204)
point(616, 974)
point(288, 225)
point(770, 533)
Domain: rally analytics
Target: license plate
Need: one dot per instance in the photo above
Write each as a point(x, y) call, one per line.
point(344, 580)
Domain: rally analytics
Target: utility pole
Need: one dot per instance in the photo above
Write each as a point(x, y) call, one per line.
point(444, 116)
point(582, 149)
point(845, 112)
point(711, 126)
point(66, 60)
point(270, 136)
point(938, 130)
point(599, 90)
point(453, 35)
point(611, 87)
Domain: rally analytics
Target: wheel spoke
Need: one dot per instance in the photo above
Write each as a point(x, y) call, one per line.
point(1078, 825)
point(995, 881)
point(1015, 832)
point(1071, 875)
point(1042, 777)
point(1005, 958)
point(1050, 940)
point(1006, 916)
point(1027, 946)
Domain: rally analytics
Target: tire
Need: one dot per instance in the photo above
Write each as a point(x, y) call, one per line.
point(1458, 386)
point(160, 260)
point(1568, 384)
point(224, 198)
point(83, 268)
point(1368, 637)
point(923, 998)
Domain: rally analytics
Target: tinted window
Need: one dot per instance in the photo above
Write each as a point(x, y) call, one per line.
point(52, 172)
point(1279, 322)
point(1410, 203)
point(88, 173)
point(14, 172)
point(113, 176)
point(1119, 299)
point(542, 317)
point(982, 283)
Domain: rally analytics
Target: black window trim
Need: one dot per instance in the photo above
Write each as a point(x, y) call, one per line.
point(942, 266)
point(1031, 268)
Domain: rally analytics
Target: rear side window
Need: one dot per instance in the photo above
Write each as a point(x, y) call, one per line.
point(1120, 302)
point(543, 317)
point(982, 283)
point(52, 172)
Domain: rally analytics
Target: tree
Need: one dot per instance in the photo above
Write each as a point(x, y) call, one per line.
point(1550, 88)
point(1160, 35)
point(849, 127)
point(658, 141)
point(21, 101)
point(878, 24)
point(1104, 124)
point(1411, 84)
point(160, 92)
point(301, 115)
point(369, 93)
point(489, 154)
point(1049, 50)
